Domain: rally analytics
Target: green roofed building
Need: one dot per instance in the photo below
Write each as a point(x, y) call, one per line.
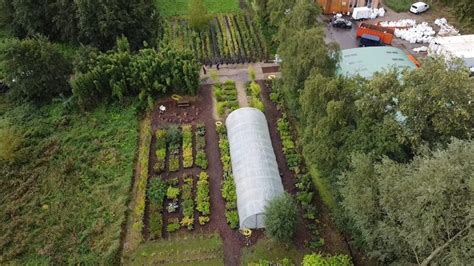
point(368, 60)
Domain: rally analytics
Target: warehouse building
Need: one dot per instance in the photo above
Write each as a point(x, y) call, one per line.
point(345, 6)
point(369, 60)
point(254, 165)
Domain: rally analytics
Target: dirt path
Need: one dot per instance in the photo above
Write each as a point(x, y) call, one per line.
point(241, 93)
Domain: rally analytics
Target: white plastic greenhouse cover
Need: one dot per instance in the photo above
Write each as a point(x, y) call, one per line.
point(254, 165)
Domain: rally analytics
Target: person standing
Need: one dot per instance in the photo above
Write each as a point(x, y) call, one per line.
point(217, 66)
point(204, 70)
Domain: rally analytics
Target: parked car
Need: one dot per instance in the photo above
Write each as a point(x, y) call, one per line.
point(370, 40)
point(342, 23)
point(419, 7)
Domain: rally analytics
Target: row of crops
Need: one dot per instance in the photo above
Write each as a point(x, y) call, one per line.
point(229, 39)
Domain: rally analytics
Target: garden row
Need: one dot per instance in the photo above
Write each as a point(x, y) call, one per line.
point(304, 185)
point(253, 91)
point(169, 141)
point(226, 97)
point(229, 39)
point(169, 193)
point(228, 189)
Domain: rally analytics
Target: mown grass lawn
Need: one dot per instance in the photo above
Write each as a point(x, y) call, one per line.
point(180, 7)
point(399, 5)
point(63, 200)
point(205, 250)
point(269, 250)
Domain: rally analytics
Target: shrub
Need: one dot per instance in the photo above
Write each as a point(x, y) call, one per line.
point(221, 106)
point(160, 150)
point(256, 103)
point(318, 259)
point(203, 220)
point(280, 218)
point(173, 163)
point(188, 222)
point(187, 146)
point(202, 194)
point(174, 136)
point(173, 225)
point(232, 219)
point(201, 160)
point(172, 193)
point(157, 191)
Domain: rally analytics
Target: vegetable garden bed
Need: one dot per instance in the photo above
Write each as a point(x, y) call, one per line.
point(230, 39)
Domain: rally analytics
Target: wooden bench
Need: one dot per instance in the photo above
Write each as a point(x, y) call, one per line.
point(183, 104)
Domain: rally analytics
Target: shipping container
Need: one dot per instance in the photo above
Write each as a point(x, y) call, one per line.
point(385, 34)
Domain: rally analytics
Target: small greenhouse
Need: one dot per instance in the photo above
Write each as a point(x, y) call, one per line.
point(254, 165)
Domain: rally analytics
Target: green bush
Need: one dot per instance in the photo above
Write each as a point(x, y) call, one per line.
point(172, 193)
point(202, 194)
point(160, 151)
point(281, 215)
point(318, 259)
point(232, 219)
point(203, 220)
point(173, 225)
point(188, 146)
point(201, 160)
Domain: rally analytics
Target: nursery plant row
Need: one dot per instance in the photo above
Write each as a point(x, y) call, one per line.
point(169, 142)
point(229, 39)
point(228, 188)
point(304, 185)
point(226, 97)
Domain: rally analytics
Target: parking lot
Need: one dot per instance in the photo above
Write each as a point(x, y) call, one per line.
point(346, 38)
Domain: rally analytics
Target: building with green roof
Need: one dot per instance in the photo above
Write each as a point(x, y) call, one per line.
point(366, 61)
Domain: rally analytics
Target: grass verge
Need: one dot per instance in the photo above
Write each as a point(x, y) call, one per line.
point(63, 199)
point(268, 250)
point(181, 250)
point(399, 5)
point(170, 8)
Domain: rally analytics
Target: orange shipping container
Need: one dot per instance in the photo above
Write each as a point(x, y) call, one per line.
point(385, 35)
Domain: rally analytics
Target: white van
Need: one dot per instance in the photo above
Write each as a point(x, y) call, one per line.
point(419, 7)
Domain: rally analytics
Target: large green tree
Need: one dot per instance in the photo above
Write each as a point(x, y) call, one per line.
point(281, 216)
point(420, 212)
point(36, 70)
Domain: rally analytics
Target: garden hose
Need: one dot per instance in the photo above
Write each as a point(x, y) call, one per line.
point(246, 232)
point(176, 97)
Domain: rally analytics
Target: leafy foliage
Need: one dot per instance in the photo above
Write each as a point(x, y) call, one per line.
point(201, 157)
point(203, 203)
point(188, 159)
point(161, 138)
point(320, 260)
point(157, 192)
point(393, 205)
point(280, 218)
point(146, 74)
point(187, 203)
point(49, 198)
point(36, 70)
point(197, 15)
point(97, 23)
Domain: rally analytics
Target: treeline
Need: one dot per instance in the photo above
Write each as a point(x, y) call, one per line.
point(39, 72)
point(388, 149)
point(96, 23)
point(464, 9)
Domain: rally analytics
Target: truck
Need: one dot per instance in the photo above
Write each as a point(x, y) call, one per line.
point(385, 34)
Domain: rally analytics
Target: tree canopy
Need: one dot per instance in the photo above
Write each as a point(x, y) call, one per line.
point(36, 70)
point(281, 217)
point(419, 212)
point(97, 22)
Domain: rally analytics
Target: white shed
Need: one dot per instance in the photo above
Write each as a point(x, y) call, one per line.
point(254, 165)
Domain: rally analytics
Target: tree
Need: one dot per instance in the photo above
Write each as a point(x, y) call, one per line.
point(278, 9)
point(198, 15)
point(420, 212)
point(36, 70)
point(281, 218)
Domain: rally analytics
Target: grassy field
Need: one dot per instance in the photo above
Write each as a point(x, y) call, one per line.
point(180, 7)
point(268, 250)
point(181, 250)
point(399, 5)
point(63, 200)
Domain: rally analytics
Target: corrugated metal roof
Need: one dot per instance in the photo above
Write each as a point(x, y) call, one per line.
point(368, 60)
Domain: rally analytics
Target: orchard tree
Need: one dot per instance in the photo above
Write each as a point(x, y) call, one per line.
point(420, 212)
point(281, 216)
point(36, 70)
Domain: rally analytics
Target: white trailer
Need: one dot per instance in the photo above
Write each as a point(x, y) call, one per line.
point(361, 13)
point(461, 46)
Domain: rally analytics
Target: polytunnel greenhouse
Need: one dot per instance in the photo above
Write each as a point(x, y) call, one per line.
point(254, 165)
